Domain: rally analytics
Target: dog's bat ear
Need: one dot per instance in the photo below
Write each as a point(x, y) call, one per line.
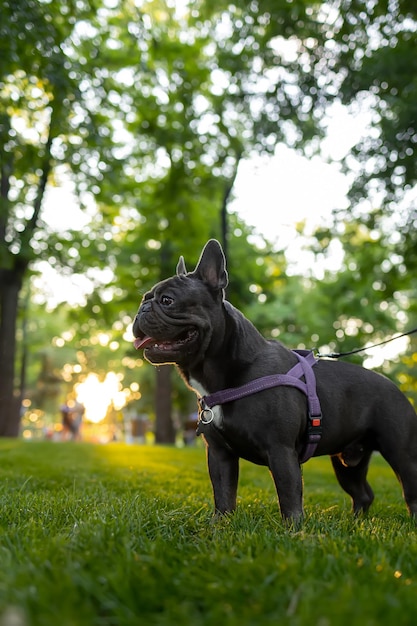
point(181, 269)
point(211, 267)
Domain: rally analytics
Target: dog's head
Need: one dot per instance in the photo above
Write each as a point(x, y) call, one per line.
point(179, 318)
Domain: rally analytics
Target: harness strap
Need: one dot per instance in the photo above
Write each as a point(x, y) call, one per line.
point(306, 360)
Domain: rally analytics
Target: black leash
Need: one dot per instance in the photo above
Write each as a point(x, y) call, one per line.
point(338, 355)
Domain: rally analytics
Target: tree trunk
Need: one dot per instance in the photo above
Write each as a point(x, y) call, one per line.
point(164, 427)
point(10, 285)
point(225, 201)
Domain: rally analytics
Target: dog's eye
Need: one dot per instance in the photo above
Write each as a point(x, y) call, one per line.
point(166, 300)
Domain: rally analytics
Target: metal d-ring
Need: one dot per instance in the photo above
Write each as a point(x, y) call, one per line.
point(210, 418)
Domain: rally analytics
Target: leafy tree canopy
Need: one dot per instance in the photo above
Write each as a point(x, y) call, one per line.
point(144, 111)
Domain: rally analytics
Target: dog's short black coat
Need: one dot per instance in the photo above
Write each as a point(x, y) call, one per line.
point(185, 320)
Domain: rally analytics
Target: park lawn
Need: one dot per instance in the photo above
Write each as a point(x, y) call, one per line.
point(120, 535)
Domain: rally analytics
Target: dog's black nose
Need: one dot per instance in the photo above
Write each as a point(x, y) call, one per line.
point(145, 307)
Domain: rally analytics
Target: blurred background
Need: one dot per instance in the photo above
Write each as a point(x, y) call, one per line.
point(131, 131)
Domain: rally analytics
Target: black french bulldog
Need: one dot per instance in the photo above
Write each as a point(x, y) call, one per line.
point(186, 320)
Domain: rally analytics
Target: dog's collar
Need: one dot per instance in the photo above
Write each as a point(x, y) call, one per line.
point(306, 361)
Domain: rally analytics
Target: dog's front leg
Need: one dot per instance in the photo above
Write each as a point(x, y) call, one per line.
point(286, 472)
point(224, 474)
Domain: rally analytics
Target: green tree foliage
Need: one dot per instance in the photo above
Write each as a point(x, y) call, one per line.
point(375, 43)
point(146, 111)
point(379, 71)
point(372, 47)
point(143, 111)
point(371, 298)
point(34, 93)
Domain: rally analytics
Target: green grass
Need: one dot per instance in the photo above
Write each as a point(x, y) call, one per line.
point(122, 535)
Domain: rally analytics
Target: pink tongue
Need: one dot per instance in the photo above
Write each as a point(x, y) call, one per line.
point(142, 342)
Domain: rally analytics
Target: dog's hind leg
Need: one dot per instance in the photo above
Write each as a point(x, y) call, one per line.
point(398, 446)
point(353, 480)
point(409, 485)
point(405, 468)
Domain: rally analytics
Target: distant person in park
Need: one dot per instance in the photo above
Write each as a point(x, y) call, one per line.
point(66, 417)
point(72, 414)
point(190, 426)
point(77, 420)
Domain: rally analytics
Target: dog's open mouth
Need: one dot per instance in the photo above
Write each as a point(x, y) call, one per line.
point(166, 345)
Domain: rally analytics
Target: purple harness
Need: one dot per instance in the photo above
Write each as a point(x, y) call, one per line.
point(304, 367)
